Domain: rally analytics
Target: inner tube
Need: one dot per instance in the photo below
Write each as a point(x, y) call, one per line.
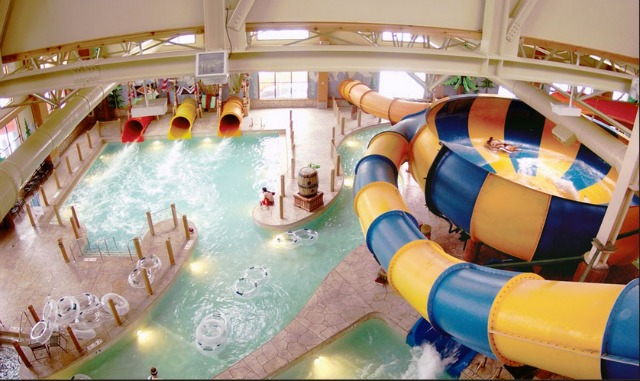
point(151, 262)
point(122, 305)
point(67, 310)
point(211, 333)
point(41, 331)
point(306, 236)
point(89, 318)
point(256, 274)
point(87, 300)
point(287, 239)
point(245, 287)
point(136, 279)
point(50, 310)
point(84, 334)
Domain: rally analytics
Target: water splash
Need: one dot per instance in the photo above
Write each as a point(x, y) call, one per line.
point(427, 364)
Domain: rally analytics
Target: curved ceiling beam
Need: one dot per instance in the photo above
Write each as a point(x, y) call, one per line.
point(318, 58)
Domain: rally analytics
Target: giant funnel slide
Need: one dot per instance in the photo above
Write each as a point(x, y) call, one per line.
point(231, 117)
point(182, 121)
point(134, 129)
point(578, 330)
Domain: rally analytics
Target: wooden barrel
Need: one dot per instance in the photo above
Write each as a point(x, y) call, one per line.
point(307, 182)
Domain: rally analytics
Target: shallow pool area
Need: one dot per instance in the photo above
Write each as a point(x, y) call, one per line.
point(370, 349)
point(215, 182)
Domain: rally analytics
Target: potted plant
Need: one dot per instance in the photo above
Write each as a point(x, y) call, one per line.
point(116, 103)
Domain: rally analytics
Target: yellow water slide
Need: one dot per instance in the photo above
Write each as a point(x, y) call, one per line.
point(182, 122)
point(231, 117)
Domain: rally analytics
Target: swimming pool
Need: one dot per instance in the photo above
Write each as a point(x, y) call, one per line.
point(215, 182)
point(370, 349)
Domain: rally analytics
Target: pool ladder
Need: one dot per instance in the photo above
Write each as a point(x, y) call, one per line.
point(84, 247)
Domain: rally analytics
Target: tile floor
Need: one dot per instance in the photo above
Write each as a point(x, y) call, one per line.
point(33, 266)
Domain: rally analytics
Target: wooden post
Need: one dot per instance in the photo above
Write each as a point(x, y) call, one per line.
point(333, 180)
point(79, 151)
point(89, 139)
point(174, 215)
point(281, 207)
point(30, 214)
point(23, 357)
point(293, 150)
point(44, 196)
point(63, 251)
point(147, 282)
point(282, 185)
point(292, 137)
point(136, 244)
point(290, 115)
point(114, 311)
point(337, 165)
point(66, 159)
point(76, 233)
point(343, 120)
point(34, 314)
point(57, 213)
point(187, 233)
point(55, 177)
point(333, 134)
point(333, 143)
point(75, 216)
point(74, 339)
point(293, 168)
point(359, 117)
point(170, 252)
point(150, 223)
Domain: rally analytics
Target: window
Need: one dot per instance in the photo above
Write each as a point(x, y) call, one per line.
point(283, 34)
point(182, 40)
point(10, 138)
point(283, 85)
point(398, 84)
point(5, 101)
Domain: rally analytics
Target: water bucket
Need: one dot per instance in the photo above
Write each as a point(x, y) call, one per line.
point(307, 182)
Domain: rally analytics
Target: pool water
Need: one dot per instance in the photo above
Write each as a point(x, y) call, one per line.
point(371, 349)
point(215, 182)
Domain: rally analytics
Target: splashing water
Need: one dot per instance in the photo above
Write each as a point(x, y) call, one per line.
point(427, 364)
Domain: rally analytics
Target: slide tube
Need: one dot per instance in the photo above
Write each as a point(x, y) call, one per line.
point(231, 117)
point(569, 328)
point(16, 169)
point(182, 122)
point(134, 128)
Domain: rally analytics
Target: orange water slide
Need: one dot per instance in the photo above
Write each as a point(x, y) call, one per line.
point(134, 129)
point(231, 117)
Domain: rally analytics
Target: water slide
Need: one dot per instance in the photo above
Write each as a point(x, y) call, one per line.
point(134, 128)
point(182, 121)
point(622, 112)
point(578, 330)
point(231, 117)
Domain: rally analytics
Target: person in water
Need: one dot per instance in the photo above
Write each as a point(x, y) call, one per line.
point(496, 144)
point(267, 197)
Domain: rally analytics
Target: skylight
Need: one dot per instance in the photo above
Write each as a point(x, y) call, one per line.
point(292, 34)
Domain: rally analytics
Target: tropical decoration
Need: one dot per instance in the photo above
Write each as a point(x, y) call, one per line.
point(464, 84)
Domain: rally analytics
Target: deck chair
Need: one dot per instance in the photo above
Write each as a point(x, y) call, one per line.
point(56, 341)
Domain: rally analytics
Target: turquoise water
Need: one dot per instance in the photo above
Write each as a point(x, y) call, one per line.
point(369, 350)
point(215, 182)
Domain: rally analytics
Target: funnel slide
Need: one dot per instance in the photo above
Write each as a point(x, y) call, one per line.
point(231, 117)
point(182, 122)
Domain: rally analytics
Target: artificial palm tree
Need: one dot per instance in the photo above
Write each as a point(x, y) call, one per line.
point(462, 83)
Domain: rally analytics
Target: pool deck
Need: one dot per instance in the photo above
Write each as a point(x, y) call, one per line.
point(33, 266)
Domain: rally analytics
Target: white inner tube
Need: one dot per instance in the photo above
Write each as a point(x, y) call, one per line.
point(287, 239)
point(67, 310)
point(87, 300)
point(256, 274)
point(151, 262)
point(41, 332)
point(50, 310)
point(84, 334)
point(211, 333)
point(121, 304)
point(245, 287)
point(89, 318)
point(306, 236)
point(136, 277)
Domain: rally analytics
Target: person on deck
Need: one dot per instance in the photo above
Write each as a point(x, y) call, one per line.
point(267, 197)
